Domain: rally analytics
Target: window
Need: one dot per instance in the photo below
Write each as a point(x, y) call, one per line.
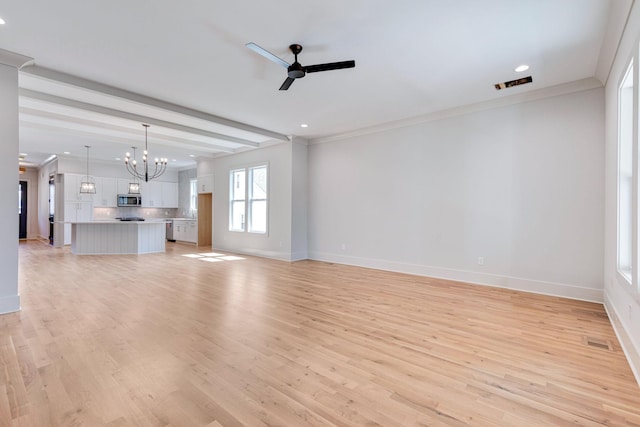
point(258, 200)
point(237, 201)
point(625, 176)
point(248, 199)
point(193, 195)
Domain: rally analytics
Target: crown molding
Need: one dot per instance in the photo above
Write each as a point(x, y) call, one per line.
point(13, 59)
point(548, 92)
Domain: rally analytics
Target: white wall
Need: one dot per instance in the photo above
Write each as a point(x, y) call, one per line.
point(621, 300)
point(520, 186)
point(9, 297)
point(299, 200)
point(277, 243)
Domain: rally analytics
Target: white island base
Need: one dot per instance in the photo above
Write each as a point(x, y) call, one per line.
point(118, 237)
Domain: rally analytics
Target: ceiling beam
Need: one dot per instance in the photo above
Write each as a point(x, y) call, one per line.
point(125, 142)
point(25, 113)
point(53, 99)
point(49, 74)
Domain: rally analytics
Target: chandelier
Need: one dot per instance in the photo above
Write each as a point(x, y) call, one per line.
point(132, 167)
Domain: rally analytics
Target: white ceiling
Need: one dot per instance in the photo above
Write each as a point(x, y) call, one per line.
point(413, 58)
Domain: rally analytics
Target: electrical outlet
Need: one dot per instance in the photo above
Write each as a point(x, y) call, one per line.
point(480, 260)
point(343, 246)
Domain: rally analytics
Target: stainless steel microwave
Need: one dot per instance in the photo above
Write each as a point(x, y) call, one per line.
point(129, 200)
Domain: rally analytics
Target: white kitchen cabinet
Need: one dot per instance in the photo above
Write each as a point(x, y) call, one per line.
point(178, 231)
point(71, 188)
point(205, 184)
point(159, 194)
point(77, 206)
point(192, 231)
point(75, 211)
point(185, 230)
point(106, 192)
point(151, 194)
point(169, 194)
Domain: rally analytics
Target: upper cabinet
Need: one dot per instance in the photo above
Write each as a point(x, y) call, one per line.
point(106, 192)
point(169, 194)
point(159, 194)
point(154, 194)
point(72, 188)
point(205, 184)
point(123, 185)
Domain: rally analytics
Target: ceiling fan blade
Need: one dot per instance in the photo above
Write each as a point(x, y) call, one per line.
point(286, 83)
point(329, 66)
point(270, 56)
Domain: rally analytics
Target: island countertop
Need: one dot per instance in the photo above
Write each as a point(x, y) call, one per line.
point(117, 221)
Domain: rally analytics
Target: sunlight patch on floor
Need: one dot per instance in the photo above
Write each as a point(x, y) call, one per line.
point(213, 257)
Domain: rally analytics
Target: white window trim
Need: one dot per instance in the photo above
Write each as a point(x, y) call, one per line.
point(624, 277)
point(247, 201)
point(193, 195)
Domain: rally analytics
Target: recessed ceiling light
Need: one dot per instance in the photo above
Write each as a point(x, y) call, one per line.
point(118, 158)
point(521, 68)
point(192, 155)
point(304, 125)
point(173, 160)
point(67, 152)
point(2, 21)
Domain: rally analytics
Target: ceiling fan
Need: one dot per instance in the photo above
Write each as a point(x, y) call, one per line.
point(297, 70)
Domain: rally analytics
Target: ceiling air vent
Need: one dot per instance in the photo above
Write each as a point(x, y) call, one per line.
point(511, 83)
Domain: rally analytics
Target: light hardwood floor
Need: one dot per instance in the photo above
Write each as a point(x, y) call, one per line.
point(167, 340)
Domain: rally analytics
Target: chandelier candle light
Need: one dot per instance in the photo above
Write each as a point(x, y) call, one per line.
point(87, 183)
point(160, 163)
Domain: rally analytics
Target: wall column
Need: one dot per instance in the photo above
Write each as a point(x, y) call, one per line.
point(10, 63)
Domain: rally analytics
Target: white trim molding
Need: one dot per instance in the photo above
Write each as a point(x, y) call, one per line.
point(631, 350)
point(500, 281)
point(13, 59)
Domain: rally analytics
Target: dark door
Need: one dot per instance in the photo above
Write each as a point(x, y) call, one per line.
point(22, 209)
point(52, 204)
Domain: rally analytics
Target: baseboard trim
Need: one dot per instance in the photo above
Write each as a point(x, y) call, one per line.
point(280, 256)
point(626, 342)
point(501, 281)
point(10, 304)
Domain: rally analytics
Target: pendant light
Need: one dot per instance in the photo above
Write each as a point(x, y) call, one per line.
point(87, 183)
point(134, 185)
point(132, 167)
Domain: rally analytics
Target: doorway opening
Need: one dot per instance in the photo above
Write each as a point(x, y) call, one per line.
point(52, 204)
point(22, 209)
point(205, 219)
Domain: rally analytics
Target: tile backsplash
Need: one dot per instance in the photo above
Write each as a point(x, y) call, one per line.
point(101, 214)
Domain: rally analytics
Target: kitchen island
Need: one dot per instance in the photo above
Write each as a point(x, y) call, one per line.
point(117, 237)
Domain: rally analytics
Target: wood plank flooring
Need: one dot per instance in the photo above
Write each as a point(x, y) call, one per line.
point(168, 340)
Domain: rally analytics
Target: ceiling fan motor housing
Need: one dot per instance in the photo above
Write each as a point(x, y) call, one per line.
point(295, 70)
